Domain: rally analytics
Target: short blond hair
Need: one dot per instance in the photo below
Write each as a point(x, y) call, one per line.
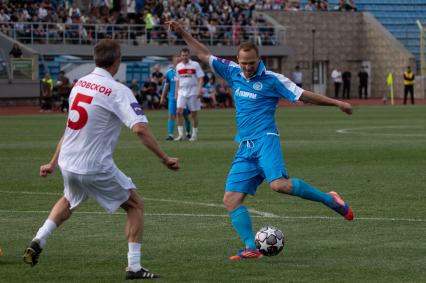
point(247, 46)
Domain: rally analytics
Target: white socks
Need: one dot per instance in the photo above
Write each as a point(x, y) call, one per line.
point(180, 131)
point(134, 257)
point(194, 132)
point(44, 232)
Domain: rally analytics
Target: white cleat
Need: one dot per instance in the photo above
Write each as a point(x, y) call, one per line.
point(192, 139)
point(179, 138)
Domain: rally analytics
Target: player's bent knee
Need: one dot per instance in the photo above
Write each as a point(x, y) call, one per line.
point(282, 186)
point(231, 202)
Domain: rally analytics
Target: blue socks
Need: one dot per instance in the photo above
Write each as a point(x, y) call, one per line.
point(241, 221)
point(170, 127)
point(188, 126)
point(306, 191)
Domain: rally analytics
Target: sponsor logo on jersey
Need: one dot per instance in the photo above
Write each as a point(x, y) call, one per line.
point(137, 108)
point(247, 94)
point(257, 86)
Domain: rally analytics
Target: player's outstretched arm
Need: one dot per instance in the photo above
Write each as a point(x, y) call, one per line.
point(48, 168)
point(145, 136)
point(200, 49)
point(310, 97)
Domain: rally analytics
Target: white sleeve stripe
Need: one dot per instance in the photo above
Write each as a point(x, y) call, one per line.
point(231, 63)
point(211, 62)
point(138, 120)
point(288, 84)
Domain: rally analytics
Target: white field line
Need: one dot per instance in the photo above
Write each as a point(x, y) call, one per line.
point(359, 131)
point(262, 215)
point(254, 211)
point(378, 219)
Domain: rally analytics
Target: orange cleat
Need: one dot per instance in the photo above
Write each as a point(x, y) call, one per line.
point(246, 253)
point(341, 207)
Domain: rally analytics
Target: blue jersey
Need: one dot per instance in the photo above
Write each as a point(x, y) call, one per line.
point(255, 98)
point(170, 81)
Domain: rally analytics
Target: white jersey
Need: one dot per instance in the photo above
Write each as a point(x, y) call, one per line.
point(188, 75)
point(99, 107)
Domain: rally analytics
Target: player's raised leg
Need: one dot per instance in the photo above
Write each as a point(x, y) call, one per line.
point(60, 213)
point(134, 231)
point(297, 187)
point(241, 220)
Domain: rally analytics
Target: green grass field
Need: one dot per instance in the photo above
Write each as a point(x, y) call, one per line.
point(377, 162)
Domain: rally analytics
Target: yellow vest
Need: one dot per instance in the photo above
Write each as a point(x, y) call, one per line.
point(408, 78)
point(49, 81)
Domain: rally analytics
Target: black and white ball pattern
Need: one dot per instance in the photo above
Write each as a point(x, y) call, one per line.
point(269, 241)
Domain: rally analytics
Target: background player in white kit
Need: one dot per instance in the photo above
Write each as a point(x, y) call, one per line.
point(99, 107)
point(189, 83)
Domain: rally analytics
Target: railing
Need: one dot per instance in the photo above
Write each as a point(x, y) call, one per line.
point(90, 34)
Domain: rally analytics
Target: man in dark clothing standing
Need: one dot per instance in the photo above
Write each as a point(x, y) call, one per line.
point(363, 83)
point(346, 76)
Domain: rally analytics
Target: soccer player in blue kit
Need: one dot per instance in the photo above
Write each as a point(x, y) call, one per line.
point(169, 88)
point(256, 93)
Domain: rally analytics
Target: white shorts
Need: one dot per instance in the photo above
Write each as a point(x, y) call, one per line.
point(192, 102)
point(110, 190)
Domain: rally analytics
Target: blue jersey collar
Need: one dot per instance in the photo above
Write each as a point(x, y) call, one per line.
point(261, 70)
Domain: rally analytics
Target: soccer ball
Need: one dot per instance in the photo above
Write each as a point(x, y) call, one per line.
point(269, 241)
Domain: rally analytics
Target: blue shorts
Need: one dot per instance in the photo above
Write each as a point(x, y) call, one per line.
point(171, 107)
point(255, 161)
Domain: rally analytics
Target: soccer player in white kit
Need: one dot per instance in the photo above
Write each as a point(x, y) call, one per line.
point(99, 108)
point(189, 83)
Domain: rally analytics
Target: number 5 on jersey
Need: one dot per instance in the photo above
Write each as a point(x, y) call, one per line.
point(77, 105)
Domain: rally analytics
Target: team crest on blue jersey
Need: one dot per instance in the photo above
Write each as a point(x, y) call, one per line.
point(257, 86)
point(137, 108)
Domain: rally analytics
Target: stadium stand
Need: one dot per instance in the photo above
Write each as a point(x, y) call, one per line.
point(398, 16)
point(55, 28)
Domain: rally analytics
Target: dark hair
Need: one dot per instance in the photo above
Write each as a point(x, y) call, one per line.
point(247, 46)
point(184, 50)
point(106, 52)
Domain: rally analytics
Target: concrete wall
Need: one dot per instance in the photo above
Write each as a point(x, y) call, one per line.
point(344, 40)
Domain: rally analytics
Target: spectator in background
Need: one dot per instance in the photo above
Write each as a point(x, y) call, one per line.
point(346, 76)
point(208, 95)
point(134, 87)
point(346, 5)
point(311, 6)
point(209, 76)
point(363, 83)
point(46, 93)
point(223, 95)
point(148, 24)
point(157, 76)
point(150, 95)
point(297, 76)
point(63, 88)
point(15, 52)
point(409, 84)
point(336, 76)
point(322, 5)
